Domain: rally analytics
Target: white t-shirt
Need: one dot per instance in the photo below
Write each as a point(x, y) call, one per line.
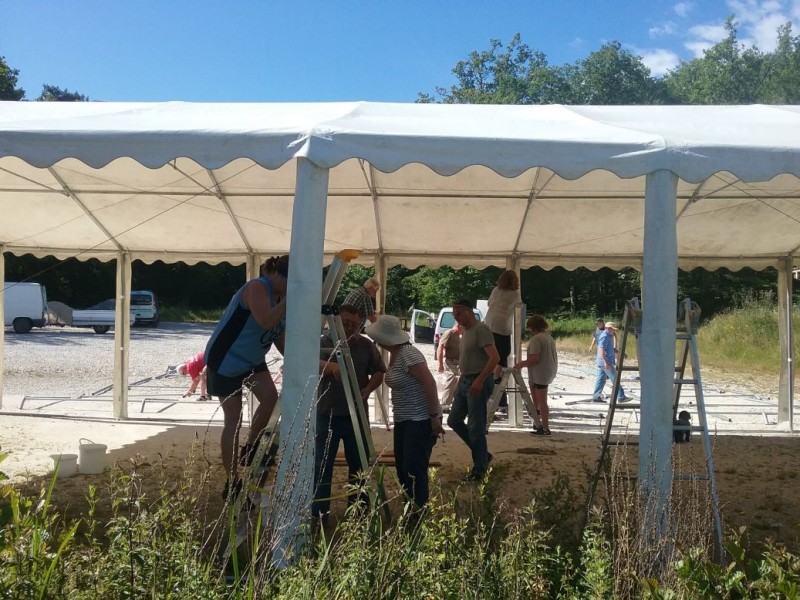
point(501, 310)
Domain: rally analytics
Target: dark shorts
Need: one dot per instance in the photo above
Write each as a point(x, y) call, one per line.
point(223, 386)
point(503, 345)
point(539, 386)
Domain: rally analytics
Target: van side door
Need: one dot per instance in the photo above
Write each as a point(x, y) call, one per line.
point(422, 325)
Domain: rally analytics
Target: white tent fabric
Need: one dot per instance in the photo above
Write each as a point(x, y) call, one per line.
point(419, 184)
point(649, 187)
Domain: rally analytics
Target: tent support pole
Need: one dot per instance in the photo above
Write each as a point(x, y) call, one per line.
point(514, 399)
point(382, 393)
point(2, 312)
point(657, 346)
point(122, 335)
point(786, 336)
point(295, 479)
point(253, 266)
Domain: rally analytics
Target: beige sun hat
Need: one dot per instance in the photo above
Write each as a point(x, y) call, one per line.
point(386, 331)
point(611, 325)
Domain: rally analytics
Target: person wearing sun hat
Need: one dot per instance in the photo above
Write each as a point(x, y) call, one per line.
point(415, 402)
point(606, 363)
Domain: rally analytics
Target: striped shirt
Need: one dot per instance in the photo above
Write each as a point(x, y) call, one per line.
point(408, 395)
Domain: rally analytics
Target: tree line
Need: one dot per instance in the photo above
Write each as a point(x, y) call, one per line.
point(510, 73)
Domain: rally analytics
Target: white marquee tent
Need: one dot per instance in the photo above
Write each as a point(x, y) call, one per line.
point(651, 187)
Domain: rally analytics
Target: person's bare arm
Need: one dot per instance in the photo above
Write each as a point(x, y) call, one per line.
point(421, 372)
point(494, 359)
point(256, 300)
point(373, 384)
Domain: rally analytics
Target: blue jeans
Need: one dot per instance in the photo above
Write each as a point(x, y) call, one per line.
point(604, 374)
point(330, 431)
point(473, 409)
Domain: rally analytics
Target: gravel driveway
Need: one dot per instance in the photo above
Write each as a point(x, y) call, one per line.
point(70, 361)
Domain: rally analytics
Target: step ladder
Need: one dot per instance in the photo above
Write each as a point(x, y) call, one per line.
point(688, 317)
point(518, 387)
point(258, 494)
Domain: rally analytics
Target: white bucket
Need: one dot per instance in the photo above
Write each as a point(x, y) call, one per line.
point(65, 465)
point(93, 457)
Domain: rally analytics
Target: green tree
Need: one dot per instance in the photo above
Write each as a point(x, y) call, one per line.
point(613, 75)
point(511, 74)
point(52, 93)
point(727, 73)
point(8, 82)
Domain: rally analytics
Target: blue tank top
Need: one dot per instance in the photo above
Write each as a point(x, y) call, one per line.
point(239, 343)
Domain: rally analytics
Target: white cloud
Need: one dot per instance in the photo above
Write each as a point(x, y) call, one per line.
point(666, 28)
point(682, 9)
point(659, 61)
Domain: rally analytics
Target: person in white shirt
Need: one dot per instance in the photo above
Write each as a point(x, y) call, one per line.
point(505, 297)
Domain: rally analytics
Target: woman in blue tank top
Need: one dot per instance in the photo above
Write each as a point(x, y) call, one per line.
point(254, 319)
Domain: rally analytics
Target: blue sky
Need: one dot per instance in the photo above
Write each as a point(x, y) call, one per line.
point(248, 50)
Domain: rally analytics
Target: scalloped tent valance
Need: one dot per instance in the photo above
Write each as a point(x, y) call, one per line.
point(415, 183)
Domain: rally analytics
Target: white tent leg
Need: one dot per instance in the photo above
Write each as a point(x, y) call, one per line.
point(252, 267)
point(786, 336)
point(2, 312)
point(382, 393)
point(295, 477)
point(657, 344)
point(122, 335)
point(514, 399)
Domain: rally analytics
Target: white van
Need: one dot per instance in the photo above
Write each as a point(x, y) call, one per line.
point(25, 306)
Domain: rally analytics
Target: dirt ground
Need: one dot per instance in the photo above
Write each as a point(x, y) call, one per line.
point(757, 476)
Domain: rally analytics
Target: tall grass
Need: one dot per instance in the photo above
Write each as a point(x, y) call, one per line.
point(157, 545)
point(742, 338)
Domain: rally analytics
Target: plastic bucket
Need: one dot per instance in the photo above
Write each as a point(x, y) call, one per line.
point(65, 465)
point(93, 457)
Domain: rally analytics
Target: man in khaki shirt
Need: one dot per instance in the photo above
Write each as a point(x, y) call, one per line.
point(477, 359)
point(447, 358)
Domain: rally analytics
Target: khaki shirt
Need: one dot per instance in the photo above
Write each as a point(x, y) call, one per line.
point(473, 357)
point(451, 344)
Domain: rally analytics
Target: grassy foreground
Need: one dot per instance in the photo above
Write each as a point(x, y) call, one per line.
point(165, 544)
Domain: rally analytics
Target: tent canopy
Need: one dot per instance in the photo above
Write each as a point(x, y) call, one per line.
point(416, 183)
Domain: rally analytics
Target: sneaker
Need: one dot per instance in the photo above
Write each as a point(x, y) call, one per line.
point(624, 399)
point(204, 398)
point(537, 431)
point(598, 399)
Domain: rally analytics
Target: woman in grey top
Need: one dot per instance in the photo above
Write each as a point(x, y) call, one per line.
point(542, 363)
point(417, 415)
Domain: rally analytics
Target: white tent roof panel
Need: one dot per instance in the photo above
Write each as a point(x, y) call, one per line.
point(420, 184)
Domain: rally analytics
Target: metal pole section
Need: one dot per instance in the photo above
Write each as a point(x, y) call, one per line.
point(3, 313)
point(382, 393)
point(295, 479)
point(657, 343)
point(253, 267)
point(514, 399)
point(786, 336)
point(122, 335)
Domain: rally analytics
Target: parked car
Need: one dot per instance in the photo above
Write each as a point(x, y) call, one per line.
point(145, 306)
point(425, 328)
point(25, 306)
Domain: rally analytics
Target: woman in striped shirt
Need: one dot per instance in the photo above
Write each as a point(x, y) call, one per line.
point(417, 414)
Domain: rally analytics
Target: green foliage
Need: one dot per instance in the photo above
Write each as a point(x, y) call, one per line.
point(8, 82)
point(52, 93)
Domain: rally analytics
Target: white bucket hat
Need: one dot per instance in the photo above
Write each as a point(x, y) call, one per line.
point(386, 331)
